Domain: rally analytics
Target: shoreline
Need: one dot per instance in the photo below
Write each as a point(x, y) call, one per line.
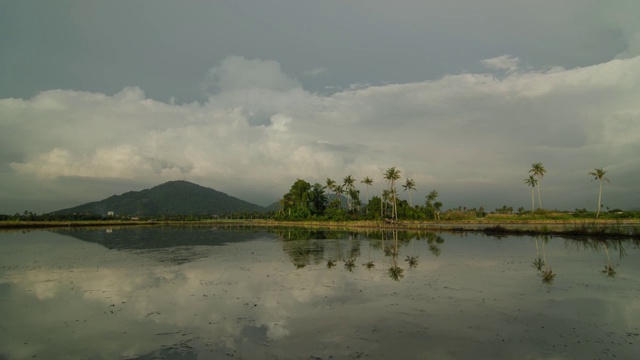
point(587, 228)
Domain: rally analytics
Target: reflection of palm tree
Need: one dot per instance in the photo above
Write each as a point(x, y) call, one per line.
point(608, 269)
point(547, 274)
point(599, 175)
point(395, 272)
point(537, 262)
point(434, 240)
point(369, 264)
point(350, 264)
point(412, 260)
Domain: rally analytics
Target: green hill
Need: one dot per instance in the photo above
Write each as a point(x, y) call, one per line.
point(170, 198)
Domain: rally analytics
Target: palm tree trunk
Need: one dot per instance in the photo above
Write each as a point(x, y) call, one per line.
point(539, 201)
point(599, 199)
point(533, 203)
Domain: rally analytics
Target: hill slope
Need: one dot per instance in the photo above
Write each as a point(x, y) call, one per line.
point(170, 198)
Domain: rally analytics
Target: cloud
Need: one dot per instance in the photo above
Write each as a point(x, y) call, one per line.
point(238, 73)
point(260, 131)
point(315, 72)
point(621, 16)
point(504, 62)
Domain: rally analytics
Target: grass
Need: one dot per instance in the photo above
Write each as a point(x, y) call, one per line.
point(490, 225)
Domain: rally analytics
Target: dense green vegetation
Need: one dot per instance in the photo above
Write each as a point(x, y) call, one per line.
point(342, 202)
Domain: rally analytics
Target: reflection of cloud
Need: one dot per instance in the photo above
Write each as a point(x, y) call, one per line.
point(245, 298)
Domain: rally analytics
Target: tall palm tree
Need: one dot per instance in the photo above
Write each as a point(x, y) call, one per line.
point(409, 185)
point(598, 174)
point(348, 187)
point(330, 184)
point(368, 182)
point(531, 181)
point(538, 170)
point(391, 175)
point(384, 200)
point(339, 191)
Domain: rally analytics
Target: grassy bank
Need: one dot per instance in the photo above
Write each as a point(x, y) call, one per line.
point(491, 226)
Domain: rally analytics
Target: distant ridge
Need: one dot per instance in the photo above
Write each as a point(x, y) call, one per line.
point(171, 198)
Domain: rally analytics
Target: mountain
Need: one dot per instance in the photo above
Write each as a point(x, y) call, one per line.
point(170, 198)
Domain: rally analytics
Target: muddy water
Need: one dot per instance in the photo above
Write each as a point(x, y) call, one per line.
point(212, 293)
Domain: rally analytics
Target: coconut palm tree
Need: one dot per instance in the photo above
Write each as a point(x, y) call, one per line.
point(409, 185)
point(330, 184)
point(531, 181)
point(391, 175)
point(368, 182)
point(538, 171)
point(598, 174)
point(348, 187)
point(338, 190)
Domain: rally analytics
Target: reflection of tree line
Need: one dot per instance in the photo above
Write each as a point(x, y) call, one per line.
point(305, 246)
point(548, 275)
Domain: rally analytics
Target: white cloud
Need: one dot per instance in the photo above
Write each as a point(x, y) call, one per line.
point(315, 72)
point(253, 141)
point(504, 62)
point(239, 73)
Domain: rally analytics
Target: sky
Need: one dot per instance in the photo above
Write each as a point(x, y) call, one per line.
point(245, 96)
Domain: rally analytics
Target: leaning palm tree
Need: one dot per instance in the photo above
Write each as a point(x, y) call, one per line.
point(409, 185)
point(538, 171)
point(391, 175)
point(599, 175)
point(531, 181)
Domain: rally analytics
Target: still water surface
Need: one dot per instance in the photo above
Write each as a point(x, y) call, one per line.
point(223, 293)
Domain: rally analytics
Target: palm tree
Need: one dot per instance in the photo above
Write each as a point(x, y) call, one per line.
point(338, 190)
point(391, 175)
point(531, 181)
point(368, 182)
point(538, 171)
point(348, 186)
point(433, 195)
point(330, 184)
point(599, 175)
point(409, 185)
point(384, 197)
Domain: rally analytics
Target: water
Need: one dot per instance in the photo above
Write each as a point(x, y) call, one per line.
point(223, 293)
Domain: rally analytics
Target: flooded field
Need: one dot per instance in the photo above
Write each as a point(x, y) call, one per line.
point(233, 293)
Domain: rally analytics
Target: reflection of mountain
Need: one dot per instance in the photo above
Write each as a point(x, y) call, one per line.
point(140, 238)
